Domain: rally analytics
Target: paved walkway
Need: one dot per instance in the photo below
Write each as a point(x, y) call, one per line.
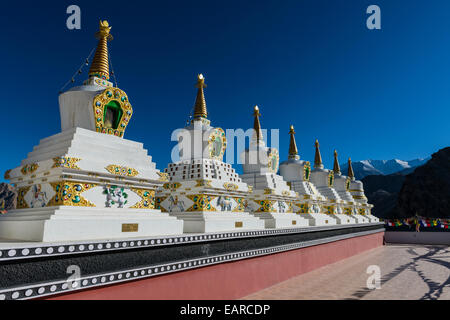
point(407, 272)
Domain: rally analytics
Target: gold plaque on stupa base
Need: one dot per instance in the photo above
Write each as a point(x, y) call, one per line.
point(130, 227)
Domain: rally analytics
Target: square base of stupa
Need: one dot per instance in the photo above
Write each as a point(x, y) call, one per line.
point(195, 222)
point(343, 218)
point(360, 218)
point(319, 219)
point(282, 220)
point(85, 185)
point(371, 218)
point(65, 223)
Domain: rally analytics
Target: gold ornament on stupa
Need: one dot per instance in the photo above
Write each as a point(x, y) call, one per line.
point(336, 166)
point(100, 63)
point(317, 157)
point(200, 103)
point(293, 152)
point(350, 173)
point(257, 124)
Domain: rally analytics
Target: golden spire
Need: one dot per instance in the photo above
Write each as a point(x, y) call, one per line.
point(200, 103)
point(293, 152)
point(256, 124)
point(336, 167)
point(100, 63)
point(318, 157)
point(350, 173)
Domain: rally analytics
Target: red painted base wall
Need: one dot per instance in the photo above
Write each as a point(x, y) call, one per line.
point(233, 280)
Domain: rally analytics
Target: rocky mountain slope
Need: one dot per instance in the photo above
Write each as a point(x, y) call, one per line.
point(382, 191)
point(425, 191)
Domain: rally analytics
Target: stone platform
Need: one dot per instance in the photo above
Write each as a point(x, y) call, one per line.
point(30, 270)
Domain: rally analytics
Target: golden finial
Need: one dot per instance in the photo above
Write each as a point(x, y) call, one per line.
point(100, 63)
point(350, 173)
point(318, 157)
point(336, 167)
point(256, 124)
point(104, 31)
point(200, 103)
point(293, 152)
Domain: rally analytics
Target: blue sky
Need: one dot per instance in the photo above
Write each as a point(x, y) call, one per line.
point(379, 94)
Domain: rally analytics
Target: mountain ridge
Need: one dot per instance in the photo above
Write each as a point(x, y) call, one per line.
point(369, 167)
point(423, 190)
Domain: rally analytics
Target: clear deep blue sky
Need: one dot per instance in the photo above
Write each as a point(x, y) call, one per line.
point(370, 94)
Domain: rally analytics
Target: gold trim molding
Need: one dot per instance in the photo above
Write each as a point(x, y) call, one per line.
point(29, 168)
point(66, 162)
point(230, 186)
point(163, 176)
point(121, 170)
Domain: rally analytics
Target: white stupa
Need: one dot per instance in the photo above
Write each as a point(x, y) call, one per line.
point(203, 191)
point(323, 179)
point(356, 189)
point(342, 186)
point(298, 173)
point(88, 182)
point(272, 199)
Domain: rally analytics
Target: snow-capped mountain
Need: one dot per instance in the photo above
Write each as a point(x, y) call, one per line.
point(382, 167)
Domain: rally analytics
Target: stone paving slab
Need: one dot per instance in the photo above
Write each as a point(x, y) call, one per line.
point(408, 272)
